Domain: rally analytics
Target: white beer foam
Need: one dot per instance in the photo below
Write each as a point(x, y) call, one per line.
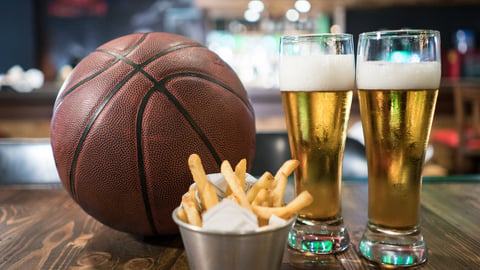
point(387, 75)
point(317, 73)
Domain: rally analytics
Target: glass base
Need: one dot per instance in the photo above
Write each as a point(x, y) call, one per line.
point(301, 260)
point(390, 247)
point(312, 237)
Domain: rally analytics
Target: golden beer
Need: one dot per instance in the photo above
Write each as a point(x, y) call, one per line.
point(317, 77)
point(398, 76)
point(396, 126)
point(317, 122)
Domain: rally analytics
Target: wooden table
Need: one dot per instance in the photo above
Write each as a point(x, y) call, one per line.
point(43, 228)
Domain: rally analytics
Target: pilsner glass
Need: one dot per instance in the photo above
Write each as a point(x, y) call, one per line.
point(317, 77)
point(398, 76)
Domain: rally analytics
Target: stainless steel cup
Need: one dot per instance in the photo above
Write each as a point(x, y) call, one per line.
point(213, 250)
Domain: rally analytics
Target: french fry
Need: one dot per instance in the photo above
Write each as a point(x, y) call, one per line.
point(193, 216)
point(232, 198)
point(241, 172)
point(280, 183)
point(278, 192)
point(302, 200)
point(182, 215)
point(264, 182)
point(197, 170)
point(207, 194)
point(233, 182)
point(228, 192)
point(190, 206)
point(288, 167)
point(191, 196)
point(262, 198)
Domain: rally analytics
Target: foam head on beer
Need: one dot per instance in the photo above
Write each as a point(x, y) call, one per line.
point(400, 76)
point(317, 72)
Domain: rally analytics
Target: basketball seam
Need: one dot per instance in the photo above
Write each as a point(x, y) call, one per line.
point(93, 118)
point(210, 79)
point(141, 163)
point(192, 74)
point(159, 87)
point(137, 68)
point(151, 59)
point(189, 118)
point(176, 103)
point(89, 126)
point(60, 99)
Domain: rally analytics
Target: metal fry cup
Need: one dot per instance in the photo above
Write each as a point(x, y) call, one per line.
point(211, 250)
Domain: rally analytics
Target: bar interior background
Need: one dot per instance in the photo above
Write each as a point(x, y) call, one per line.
point(53, 35)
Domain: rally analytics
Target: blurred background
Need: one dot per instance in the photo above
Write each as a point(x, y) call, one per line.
point(43, 40)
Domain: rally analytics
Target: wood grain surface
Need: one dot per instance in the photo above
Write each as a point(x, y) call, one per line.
point(43, 228)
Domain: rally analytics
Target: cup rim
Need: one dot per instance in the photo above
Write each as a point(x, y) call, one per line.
point(306, 37)
point(193, 228)
point(399, 33)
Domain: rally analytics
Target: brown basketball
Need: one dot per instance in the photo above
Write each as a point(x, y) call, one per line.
point(128, 117)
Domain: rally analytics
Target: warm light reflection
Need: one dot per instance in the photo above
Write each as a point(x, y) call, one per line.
point(251, 15)
point(303, 6)
point(256, 5)
point(292, 15)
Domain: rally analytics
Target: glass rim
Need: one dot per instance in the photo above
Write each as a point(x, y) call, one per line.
point(399, 33)
point(303, 37)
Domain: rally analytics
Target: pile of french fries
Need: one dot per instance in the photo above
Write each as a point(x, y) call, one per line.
point(264, 198)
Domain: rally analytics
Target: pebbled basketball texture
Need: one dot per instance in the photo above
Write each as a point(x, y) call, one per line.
point(128, 117)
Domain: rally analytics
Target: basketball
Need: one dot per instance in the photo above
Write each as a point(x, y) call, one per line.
point(129, 115)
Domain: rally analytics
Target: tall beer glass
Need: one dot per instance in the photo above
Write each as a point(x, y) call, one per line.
point(317, 77)
point(398, 76)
